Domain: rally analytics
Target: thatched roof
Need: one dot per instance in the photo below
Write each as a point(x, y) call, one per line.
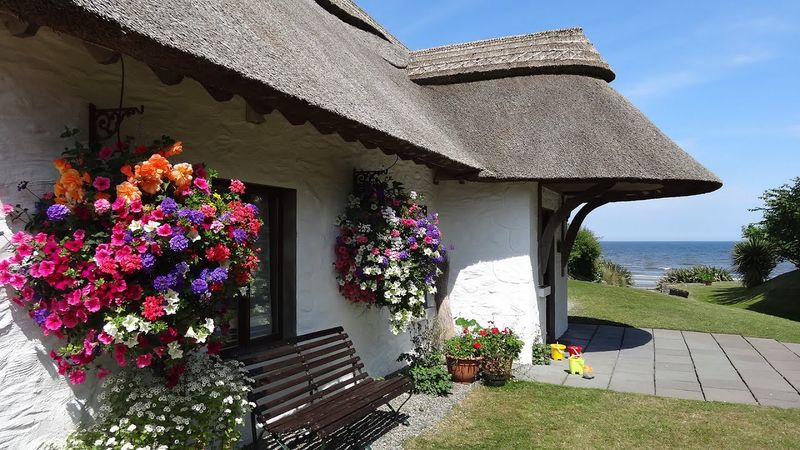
point(535, 107)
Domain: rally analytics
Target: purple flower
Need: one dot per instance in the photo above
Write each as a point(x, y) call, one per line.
point(182, 267)
point(429, 277)
point(57, 212)
point(239, 235)
point(164, 282)
point(219, 275)
point(199, 286)
point(438, 259)
point(127, 235)
point(193, 216)
point(412, 240)
point(40, 315)
point(169, 206)
point(178, 243)
point(148, 261)
point(253, 208)
point(403, 255)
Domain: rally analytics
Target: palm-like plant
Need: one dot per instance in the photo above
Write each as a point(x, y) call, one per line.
point(754, 259)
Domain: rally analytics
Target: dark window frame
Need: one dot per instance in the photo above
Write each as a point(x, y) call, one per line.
point(281, 223)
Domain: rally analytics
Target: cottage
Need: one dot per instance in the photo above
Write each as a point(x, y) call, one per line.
point(507, 138)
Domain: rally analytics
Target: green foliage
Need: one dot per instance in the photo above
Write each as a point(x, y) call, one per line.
point(584, 256)
point(614, 274)
point(695, 274)
point(462, 346)
point(426, 362)
point(540, 354)
point(781, 220)
point(754, 259)
point(434, 380)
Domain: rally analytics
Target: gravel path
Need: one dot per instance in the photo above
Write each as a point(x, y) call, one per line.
point(423, 412)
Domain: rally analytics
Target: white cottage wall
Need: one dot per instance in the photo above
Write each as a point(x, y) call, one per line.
point(47, 82)
point(493, 266)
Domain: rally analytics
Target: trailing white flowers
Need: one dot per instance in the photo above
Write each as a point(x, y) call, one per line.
point(203, 411)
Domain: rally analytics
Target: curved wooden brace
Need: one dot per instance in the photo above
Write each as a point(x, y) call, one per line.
point(561, 214)
point(575, 226)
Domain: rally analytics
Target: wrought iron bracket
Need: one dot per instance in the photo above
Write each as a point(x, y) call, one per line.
point(366, 178)
point(105, 123)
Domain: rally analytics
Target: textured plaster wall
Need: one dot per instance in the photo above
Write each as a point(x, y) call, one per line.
point(47, 82)
point(493, 266)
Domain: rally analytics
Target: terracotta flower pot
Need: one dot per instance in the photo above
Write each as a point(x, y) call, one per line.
point(463, 370)
point(496, 372)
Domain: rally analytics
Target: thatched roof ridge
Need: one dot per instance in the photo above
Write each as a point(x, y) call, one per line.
point(554, 121)
point(556, 51)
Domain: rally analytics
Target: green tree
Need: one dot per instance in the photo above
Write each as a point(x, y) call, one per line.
point(754, 259)
point(584, 256)
point(781, 221)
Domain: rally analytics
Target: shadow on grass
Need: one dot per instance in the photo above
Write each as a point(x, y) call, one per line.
point(358, 435)
point(633, 336)
point(780, 296)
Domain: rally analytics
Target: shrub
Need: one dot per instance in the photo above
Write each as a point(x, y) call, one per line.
point(754, 260)
point(540, 354)
point(781, 222)
point(583, 259)
point(464, 345)
point(614, 274)
point(426, 362)
point(695, 274)
point(204, 410)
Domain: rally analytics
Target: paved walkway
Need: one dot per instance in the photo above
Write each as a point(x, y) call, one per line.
point(683, 364)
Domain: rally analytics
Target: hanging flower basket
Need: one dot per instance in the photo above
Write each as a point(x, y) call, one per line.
point(388, 250)
point(132, 257)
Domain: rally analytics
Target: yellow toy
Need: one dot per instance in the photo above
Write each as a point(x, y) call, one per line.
point(557, 351)
point(576, 365)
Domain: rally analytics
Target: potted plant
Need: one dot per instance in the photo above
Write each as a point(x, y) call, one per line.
point(462, 353)
point(707, 278)
point(499, 349)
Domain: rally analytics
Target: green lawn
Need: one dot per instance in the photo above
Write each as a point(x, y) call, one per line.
point(777, 297)
point(526, 415)
point(598, 303)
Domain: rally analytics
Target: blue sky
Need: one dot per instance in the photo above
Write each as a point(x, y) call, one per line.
point(721, 78)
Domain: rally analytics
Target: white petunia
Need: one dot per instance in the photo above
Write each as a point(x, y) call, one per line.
point(135, 225)
point(210, 325)
point(131, 322)
point(151, 226)
point(174, 350)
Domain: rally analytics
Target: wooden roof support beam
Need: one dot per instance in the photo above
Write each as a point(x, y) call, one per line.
point(18, 27)
point(100, 54)
point(575, 226)
point(218, 94)
point(560, 215)
point(166, 76)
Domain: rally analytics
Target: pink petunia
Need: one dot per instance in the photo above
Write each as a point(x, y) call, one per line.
point(105, 153)
point(77, 376)
point(164, 230)
point(101, 183)
point(53, 322)
point(119, 354)
point(8, 209)
point(201, 184)
point(102, 373)
point(144, 360)
point(92, 304)
point(102, 206)
point(105, 338)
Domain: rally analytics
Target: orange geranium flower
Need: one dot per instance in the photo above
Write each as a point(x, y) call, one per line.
point(127, 171)
point(128, 191)
point(181, 176)
point(150, 174)
point(174, 149)
point(70, 187)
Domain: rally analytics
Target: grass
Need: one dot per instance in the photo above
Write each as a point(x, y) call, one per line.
point(598, 303)
point(779, 296)
point(525, 415)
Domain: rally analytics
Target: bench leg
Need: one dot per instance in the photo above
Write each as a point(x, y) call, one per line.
point(280, 442)
point(396, 412)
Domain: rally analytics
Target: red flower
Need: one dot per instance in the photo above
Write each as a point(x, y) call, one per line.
point(495, 330)
point(153, 307)
point(476, 345)
point(219, 252)
point(144, 360)
point(482, 332)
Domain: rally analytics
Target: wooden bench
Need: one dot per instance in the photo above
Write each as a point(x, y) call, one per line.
point(315, 383)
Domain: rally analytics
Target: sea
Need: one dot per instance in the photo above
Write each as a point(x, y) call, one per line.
point(649, 260)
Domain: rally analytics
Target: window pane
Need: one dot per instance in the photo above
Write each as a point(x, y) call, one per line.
point(260, 299)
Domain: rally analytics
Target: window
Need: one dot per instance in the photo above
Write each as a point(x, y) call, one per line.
point(266, 311)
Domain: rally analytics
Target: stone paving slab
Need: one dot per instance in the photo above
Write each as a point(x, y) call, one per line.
point(681, 364)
